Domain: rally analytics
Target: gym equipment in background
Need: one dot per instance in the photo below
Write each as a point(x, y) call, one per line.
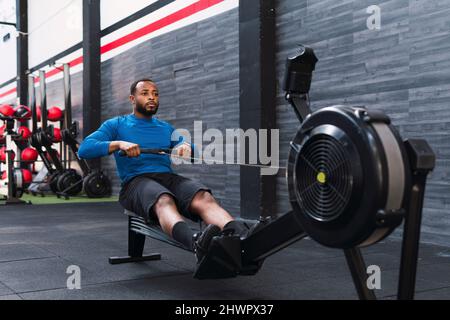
point(13, 181)
point(95, 183)
point(61, 181)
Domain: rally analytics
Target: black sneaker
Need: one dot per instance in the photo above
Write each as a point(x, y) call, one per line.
point(202, 240)
point(238, 228)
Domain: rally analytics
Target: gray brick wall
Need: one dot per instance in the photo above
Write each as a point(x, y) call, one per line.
point(196, 70)
point(404, 69)
point(55, 96)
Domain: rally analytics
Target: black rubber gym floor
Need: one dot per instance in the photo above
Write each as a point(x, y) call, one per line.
point(39, 243)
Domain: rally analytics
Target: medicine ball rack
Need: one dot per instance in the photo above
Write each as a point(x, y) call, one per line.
point(63, 180)
point(12, 187)
point(42, 140)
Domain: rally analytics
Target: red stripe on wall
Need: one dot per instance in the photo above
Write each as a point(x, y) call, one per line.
point(8, 92)
point(152, 27)
point(164, 22)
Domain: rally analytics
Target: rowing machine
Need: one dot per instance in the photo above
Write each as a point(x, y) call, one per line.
point(351, 182)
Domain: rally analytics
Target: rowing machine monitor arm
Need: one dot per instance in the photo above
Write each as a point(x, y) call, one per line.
point(297, 80)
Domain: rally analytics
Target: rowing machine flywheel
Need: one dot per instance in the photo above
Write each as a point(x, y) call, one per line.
point(347, 176)
point(97, 185)
point(52, 180)
point(69, 182)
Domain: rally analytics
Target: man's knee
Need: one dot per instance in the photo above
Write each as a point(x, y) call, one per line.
point(164, 200)
point(201, 200)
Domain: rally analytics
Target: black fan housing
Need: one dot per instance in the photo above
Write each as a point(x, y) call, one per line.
point(347, 170)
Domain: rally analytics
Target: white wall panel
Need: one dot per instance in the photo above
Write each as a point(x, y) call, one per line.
point(113, 11)
point(54, 26)
point(7, 48)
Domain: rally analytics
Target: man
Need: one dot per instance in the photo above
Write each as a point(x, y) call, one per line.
point(149, 186)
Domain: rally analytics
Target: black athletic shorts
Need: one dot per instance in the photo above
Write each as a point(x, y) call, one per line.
point(141, 193)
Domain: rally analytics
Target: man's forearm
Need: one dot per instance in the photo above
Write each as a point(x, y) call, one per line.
point(91, 148)
point(114, 146)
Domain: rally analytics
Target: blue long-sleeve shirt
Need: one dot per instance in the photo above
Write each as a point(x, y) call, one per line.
point(153, 133)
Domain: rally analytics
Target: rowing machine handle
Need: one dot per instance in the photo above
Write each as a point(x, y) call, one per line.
point(122, 153)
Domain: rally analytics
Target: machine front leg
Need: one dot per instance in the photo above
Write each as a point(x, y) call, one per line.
point(357, 266)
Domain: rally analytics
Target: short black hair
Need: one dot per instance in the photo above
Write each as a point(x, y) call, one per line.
point(134, 84)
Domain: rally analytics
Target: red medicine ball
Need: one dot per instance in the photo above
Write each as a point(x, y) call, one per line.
point(29, 155)
point(24, 132)
point(3, 154)
point(54, 114)
point(2, 133)
point(27, 176)
point(57, 135)
point(6, 110)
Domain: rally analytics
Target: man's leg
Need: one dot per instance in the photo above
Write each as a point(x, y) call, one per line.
point(204, 205)
point(174, 225)
point(211, 212)
point(167, 213)
point(171, 221)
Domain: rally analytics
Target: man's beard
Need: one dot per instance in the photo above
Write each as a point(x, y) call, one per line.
point(142, 110)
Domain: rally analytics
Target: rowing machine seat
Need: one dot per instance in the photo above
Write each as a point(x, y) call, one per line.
point(138, 229)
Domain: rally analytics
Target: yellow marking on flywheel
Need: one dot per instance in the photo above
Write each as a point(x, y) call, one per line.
point(321, 177)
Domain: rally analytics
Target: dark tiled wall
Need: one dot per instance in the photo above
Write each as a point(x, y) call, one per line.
point(404, 69)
